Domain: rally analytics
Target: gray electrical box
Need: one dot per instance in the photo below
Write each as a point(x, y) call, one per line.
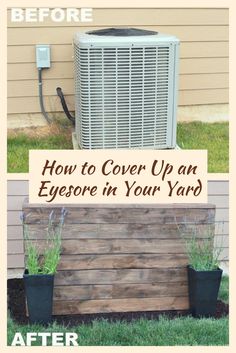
point(43, 56)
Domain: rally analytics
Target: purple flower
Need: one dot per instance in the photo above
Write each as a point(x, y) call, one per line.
point(63, 214)
point(63, 211)
point(51, 216)
point(22, 217)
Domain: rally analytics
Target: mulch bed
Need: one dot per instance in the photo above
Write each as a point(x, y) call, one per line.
point(16, 306)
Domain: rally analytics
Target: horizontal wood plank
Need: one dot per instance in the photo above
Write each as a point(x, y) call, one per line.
point(116, 261)
point(104, 214)
point(107, 276)
point(120, 305)
point(117, 230)
point(118, 246)
point(116, 291)
point(120, 231)
point(82, 216)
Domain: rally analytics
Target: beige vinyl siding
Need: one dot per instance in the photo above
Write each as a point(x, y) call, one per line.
point(196, 82)
point(203, 52)
point(17, 192)
point(218, 192)
point(63, 52)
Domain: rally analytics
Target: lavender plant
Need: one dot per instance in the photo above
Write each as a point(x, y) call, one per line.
point(47, 262)
point(202, 249)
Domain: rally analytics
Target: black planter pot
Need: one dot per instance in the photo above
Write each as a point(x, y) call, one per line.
point(203, 291)
point(39, 295)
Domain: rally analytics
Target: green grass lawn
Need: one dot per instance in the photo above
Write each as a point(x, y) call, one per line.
point(196, 135)
point(182, 331)
point(213, 137)
point(164, 332)
point(19, 146)
point(224, 289)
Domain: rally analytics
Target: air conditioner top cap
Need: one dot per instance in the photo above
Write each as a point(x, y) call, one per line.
point(122, 32)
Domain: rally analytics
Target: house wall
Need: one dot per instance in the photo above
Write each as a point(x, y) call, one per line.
point(203, 55)
point(218, 194)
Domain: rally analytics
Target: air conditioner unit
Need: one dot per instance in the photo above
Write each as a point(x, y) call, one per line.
point(125, 89)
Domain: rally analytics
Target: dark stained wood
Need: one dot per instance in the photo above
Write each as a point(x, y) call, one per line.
point(116, 291)
point(119, 305)
point(156, 275)
point(119, 246)
point(94, 261)
point(122, 215)
point(121, 257)
point(118, 230)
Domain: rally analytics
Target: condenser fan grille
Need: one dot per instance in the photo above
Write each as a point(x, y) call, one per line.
point(124, 97)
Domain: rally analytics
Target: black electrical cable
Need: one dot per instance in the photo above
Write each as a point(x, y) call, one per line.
point(64, 105)
point(49, 120)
